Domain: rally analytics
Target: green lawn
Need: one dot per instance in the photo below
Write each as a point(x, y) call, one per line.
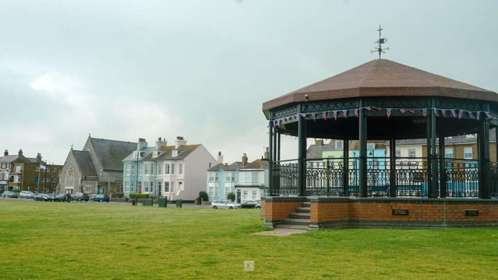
point(89, 241)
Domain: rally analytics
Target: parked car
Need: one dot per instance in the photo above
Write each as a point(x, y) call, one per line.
point(10, 194)
point(79, 196)
point(62, 197)
point(42, 197)
point(228, 205)
point(251, 204)
point(26, 195)
point(100, 198)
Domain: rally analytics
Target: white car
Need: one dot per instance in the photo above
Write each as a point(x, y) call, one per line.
point(26, 194)
point(228, 205)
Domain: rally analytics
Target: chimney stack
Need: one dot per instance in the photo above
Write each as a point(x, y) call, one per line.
point(20, 154)
point(142, 144)
point(267, 153)
point(180, 141)
point(38, 157)
point(6, 153)
point(220, 157)
point(244, 159)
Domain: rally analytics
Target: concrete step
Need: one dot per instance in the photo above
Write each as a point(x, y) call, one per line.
point(291, 221)
point(307, 204)
point(303, 227)
point(297, 215)
point(302, 210)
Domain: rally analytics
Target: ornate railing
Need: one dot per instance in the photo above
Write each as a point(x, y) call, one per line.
point(462, 178)
point(328, 176)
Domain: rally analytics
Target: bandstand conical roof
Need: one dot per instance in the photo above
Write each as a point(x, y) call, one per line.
point(381, 78)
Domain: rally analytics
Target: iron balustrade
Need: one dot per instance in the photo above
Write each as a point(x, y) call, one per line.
point(327, 176)
point(462, 177)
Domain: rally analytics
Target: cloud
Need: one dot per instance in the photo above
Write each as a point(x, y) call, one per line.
point(60, 88)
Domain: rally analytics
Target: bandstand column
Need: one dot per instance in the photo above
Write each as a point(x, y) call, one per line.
point(270, 160)
point(362, 135)
point(345, 166)
point(392, 168)
point(276, 159)
point(496, 144)
point(432, 181)
point(443, 188)
point(301, 166)
point(483, 148)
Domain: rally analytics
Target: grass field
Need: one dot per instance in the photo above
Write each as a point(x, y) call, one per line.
point(89, 241)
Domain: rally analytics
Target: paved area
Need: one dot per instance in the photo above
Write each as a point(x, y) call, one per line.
point(281, 232)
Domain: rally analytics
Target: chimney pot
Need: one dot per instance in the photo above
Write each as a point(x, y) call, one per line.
point(6, 153)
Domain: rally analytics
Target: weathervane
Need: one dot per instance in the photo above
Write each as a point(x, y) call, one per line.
point(379, 49)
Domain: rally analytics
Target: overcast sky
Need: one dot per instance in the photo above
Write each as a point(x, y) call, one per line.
point(201, 69)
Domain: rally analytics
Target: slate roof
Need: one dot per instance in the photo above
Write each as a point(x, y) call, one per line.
point(111, 153)
point(257, 164)
point(382, 77)
point(226, 167)
point(84, 162)
point(167, 152)
point(9, 158)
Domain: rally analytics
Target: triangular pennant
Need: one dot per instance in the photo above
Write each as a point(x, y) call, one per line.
point(388, 112)
point(334, 114)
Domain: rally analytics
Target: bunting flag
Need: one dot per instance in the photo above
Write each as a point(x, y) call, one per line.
point(446, 113)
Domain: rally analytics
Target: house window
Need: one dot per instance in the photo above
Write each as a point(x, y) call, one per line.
point(166, 186)
point(398, 153)
point(166, 168)
point(180, 168)
point(254, 194)
point(160, 169)
point(339, 145)
point(172, 168)
point(172, 186)
point(467, 153)
point(412, 153)
point(448, 153)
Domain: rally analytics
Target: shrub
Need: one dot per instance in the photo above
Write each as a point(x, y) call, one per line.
point(231, 196)
point(203, 196)
point(139, 195)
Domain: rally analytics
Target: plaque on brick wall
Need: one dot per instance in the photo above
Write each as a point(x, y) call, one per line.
point(472, 213)
point(400, 212)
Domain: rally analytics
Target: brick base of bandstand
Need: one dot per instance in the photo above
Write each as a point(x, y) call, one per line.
point(385, 212)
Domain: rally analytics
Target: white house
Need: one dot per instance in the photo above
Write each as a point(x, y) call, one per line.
point(172, 171)
point(247, 180)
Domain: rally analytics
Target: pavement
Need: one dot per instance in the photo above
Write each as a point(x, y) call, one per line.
point(281, 232)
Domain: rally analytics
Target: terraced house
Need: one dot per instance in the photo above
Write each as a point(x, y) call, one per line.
point(172, 171)
point(21, 173)
point(97, 168)
point(247, 180)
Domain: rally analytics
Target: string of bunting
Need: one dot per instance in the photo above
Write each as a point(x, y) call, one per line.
point(345, 113)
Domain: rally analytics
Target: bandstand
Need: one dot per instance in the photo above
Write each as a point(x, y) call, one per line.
point(383, 101)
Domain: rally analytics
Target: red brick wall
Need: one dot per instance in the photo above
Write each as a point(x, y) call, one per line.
point(367, 211)
point(274, 211)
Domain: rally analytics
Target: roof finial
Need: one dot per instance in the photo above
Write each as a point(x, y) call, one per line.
point(379, 49)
